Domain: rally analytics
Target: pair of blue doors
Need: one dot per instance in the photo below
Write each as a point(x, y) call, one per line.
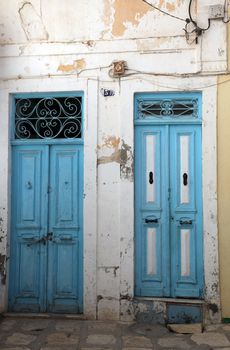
point(46, 243)
point(168, 196)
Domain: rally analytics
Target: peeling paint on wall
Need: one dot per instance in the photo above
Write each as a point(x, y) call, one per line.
point(77, 65)
point(133, 13)
point(113, 143)
point(124, 14)
point(32, 23)
point(121, 154)
point(126, 166)
point(169, 5)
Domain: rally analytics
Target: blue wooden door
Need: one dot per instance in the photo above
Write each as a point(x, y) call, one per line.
point(46, 239)
point(168, 206)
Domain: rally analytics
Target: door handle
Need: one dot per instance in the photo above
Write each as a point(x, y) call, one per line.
point(185, 222)
point(66, 238)
point(49, 236)
point(33, 240)
point(151, 221)
point(42, 239)
point(151, 177)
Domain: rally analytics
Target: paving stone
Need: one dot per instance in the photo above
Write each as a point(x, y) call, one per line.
point(136, 341)
point(70, 326)
point(58, 348)
point(20, 339)
point(93, 348)
point(212, 327)
point(149, 330)
point(35, 325)
point(61, 338)
point(102, 327)
point(138, 348)
point(201, 347)
point(185, 328)
point(7, 325)
point(100, 339)
point(212, 339)
point(14, 348)
point(226, 327)
point(173, 343)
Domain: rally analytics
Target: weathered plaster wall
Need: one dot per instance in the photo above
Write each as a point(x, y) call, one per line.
point(223, 128)
point(224, 192)
point(69, 46)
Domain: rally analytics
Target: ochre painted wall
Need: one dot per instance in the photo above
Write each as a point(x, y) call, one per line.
point(224, 191)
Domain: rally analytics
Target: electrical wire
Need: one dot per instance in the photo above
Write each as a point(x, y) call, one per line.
point(197, 31)
point(164, 12)
point(129, 77)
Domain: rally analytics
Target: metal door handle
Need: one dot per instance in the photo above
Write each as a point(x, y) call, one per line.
point(42, 239)
point(185, 179)
point(151, 221)
point(33, 240)
point(66, 238)
point(185, 222)
point(151, 177)
point(49, 236)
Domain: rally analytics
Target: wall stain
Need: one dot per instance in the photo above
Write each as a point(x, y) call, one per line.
point(126, 165)
point(110, 142)
point(89, 43)
point(77, 65)
point(2, 268)
point(122, 154)
point(213, 307)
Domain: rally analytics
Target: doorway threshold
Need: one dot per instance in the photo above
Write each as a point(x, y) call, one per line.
point(44, 315)
point(172, 300)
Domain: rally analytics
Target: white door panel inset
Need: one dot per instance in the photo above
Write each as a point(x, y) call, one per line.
point(150, 167)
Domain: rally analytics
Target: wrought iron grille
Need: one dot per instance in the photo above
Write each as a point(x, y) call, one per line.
point(168, 108)
point(48, 118)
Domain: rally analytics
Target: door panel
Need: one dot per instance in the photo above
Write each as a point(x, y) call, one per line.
point(186, 209)
point(152, 241)
point(168, 207)
point(46, 229)
point(65, 212)
point(29, 224)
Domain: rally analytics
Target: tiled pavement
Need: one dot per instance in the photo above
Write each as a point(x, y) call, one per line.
point(66, 334)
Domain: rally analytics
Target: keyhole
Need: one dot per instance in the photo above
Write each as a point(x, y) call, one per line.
point(151, 177)
point(185, 179)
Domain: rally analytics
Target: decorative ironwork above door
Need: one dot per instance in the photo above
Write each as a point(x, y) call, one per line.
point(172, 108)
point(48, 117)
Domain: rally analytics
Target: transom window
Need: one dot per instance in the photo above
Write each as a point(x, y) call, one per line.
point(48, 117)
point(172, 108)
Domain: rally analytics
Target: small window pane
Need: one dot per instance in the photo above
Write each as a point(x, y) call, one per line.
point(48, 118)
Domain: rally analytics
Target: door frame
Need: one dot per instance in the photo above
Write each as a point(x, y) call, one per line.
point(209, 180)
point(150, 124)
point(54, 142)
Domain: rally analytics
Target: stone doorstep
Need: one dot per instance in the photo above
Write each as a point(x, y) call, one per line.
point(44, 315)
point(191, 328)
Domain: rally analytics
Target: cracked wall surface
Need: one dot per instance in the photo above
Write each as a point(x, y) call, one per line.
point(32, 23)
